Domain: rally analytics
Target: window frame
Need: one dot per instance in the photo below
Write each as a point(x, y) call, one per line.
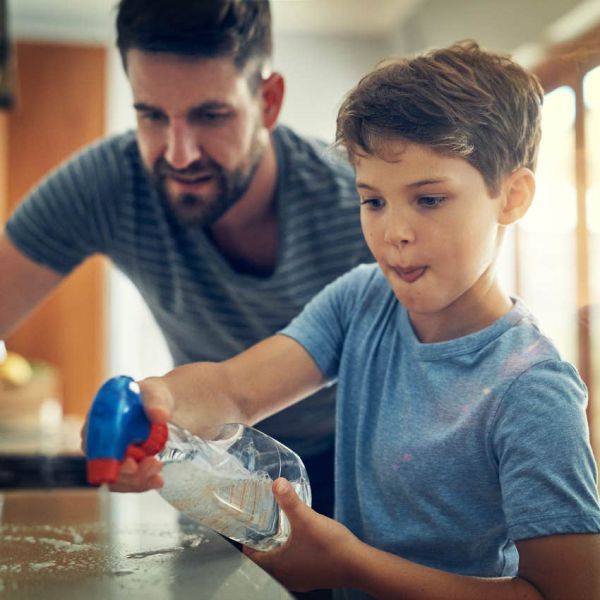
point(567, 64)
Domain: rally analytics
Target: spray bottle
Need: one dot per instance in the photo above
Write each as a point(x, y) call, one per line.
point(223, 482)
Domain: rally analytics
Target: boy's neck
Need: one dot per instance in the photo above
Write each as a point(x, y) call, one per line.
point(478, 308)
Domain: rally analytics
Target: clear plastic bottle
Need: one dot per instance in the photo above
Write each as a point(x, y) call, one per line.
point(225, 482)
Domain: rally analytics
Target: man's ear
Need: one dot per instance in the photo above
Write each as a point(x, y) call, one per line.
point(272, 89)
point(518, 191)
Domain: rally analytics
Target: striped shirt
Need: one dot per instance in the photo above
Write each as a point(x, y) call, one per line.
point(101, 201)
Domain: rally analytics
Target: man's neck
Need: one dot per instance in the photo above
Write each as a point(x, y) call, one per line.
point(258, 203)
point(247, 235)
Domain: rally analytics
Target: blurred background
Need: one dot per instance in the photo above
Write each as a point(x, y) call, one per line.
point(66, 88)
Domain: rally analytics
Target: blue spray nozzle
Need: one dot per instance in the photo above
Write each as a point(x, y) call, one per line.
point(117, 425)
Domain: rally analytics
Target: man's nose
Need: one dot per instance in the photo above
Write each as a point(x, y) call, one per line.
point(181, 148)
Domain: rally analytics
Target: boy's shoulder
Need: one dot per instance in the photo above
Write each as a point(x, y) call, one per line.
point(364, 293)
point(355, 289)
point(366, 277)
point(527, 336)
point(531, 359)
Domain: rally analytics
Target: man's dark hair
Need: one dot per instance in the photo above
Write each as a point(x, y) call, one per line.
point(461, 101)
point(240, 29)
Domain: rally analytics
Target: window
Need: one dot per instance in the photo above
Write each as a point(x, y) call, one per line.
point(591, 107)
point(558, 243)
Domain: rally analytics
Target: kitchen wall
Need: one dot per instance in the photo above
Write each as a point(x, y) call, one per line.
point(68, 329)
point(319, 70)
point(506, 25)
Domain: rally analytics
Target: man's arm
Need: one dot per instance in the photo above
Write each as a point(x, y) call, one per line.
point(24, 283)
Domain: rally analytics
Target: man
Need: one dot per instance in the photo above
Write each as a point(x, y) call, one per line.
point(226, 223)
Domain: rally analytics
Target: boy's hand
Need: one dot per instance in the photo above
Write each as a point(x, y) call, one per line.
point(157, 398)
point(317, 552)
point(144, 475)
point(139, 476)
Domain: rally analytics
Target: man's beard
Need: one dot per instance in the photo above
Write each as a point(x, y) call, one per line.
point(197, 210)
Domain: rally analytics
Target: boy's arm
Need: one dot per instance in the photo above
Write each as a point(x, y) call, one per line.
point(553, 568)
point(247, 388)
point(23, 282)
point(324, 554)
point(562, 566)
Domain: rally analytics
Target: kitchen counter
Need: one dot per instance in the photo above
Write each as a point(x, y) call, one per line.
point(93, 544)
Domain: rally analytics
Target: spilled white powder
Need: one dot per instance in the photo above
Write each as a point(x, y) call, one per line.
point(16, 568)
point(41, 566)
point(193, 540)
point(77, 537)
point(65, 545)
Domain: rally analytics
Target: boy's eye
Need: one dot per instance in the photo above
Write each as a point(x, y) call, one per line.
point(372, 203)
point(431, 201)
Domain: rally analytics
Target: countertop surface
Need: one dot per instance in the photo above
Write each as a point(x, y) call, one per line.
point(93, 544)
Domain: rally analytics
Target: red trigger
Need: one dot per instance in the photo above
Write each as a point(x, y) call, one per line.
point(154, 443)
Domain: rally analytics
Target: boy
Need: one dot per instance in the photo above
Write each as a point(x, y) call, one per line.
point(463, 465)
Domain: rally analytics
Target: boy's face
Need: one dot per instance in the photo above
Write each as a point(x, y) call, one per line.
point(433, 228)
point(200, 131)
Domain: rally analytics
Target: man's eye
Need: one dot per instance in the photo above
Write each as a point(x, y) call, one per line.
point(372, 203)
point(431, 201)
point(153, 117)
point(210, 117)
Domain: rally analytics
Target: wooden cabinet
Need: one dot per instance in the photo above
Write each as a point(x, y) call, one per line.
point(61, 103)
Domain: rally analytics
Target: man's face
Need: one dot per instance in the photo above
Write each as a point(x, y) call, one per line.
point(200, 131)
point(433, 228)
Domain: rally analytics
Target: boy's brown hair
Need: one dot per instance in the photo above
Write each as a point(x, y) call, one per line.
point(460, 101)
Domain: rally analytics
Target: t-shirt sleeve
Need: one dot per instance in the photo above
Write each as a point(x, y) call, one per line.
point(322, 325)
point(71, 214)
point(546, 467)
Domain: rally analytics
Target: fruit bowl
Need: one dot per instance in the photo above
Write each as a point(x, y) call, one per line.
point(30, 402)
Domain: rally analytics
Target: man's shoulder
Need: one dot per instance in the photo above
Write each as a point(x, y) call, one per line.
point(109, 154)
point(310, 153)
point(120, 144)
point(308, 167)
point(112, 160)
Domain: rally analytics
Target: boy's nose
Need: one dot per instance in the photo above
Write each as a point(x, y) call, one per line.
point(399, 232)
point(182, 148)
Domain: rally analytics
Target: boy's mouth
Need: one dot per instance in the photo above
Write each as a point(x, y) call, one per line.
point(409, 274)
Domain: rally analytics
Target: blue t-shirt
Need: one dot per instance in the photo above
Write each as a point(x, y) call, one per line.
point(446, 453)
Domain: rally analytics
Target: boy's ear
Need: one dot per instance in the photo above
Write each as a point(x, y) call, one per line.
point(273, 89)
point(518, 192)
